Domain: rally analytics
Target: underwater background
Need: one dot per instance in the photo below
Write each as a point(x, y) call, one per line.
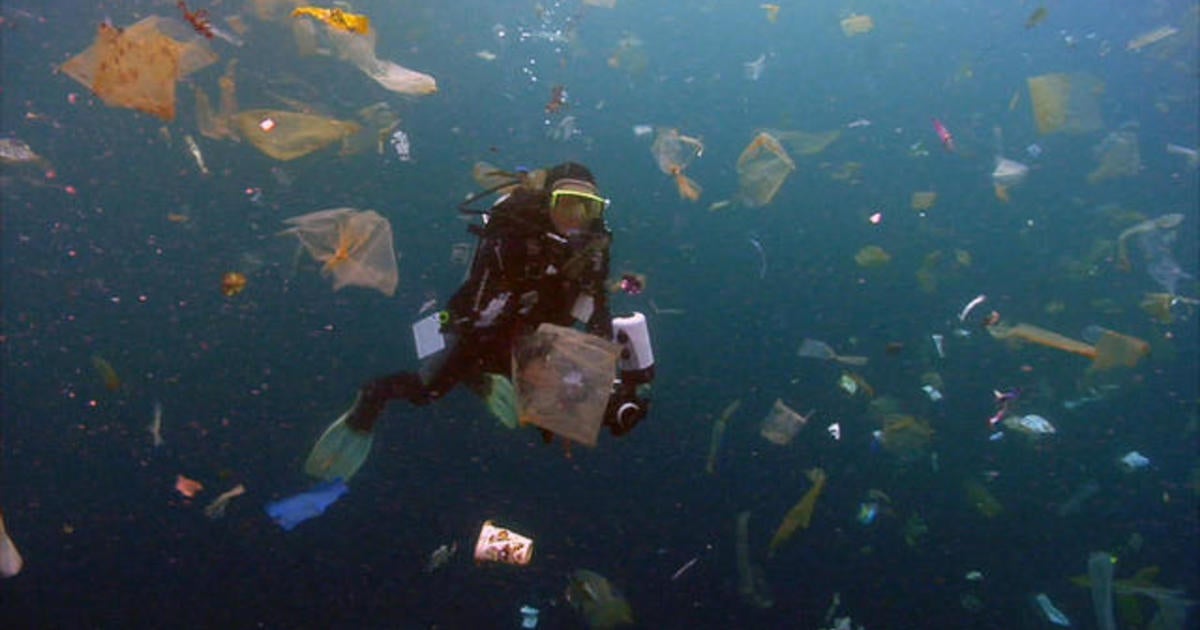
point(120, 250)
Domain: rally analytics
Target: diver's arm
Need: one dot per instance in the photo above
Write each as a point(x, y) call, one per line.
point(600, 323)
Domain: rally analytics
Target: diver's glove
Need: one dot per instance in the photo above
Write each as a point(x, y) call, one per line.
point(626, 407)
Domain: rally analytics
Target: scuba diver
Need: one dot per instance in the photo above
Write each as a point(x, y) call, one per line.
point(543, 257)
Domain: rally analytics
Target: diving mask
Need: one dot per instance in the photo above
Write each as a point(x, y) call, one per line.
point(572, 200)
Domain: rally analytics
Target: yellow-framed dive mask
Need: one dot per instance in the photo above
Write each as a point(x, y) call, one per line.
point(577, 205)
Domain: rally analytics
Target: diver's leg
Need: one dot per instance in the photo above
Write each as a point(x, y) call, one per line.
point(345, 445)
point(410, 386)
point(373, 396)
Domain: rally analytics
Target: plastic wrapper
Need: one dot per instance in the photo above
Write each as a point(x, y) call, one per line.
point(906, 437)
point(1111, 349)
point(498, 544)
point(601, 605)
point(1134, 460)
point(107, 373)
point(1032, 425)
point(853, 384)
point(815, 349)
point(1078, 498)
point(307, 38)
point(1117, 155)
point(440, 557)
point(137, 67)
point(1065, 103)
point(1100, 572)
point(1114, 349)
point(922, 200)
point(216, 509)
point(354, 247)
point(378, 128)
point(718, 434)
point(752, 581)
point(979, 498)
point(630, 55)
point(762, 168)
point(1007, 174)
point(782, 424)
point(805, 142)
point(1151, 37)
point(1041, 337)
point(800, 515)
point(1161, 264)
point(857, 25)
point(14, 152)
point(286, 135)
point(1050, 611)
point(1155, 235)
point(274, 10)
point(218, 124)
point(872, 256)
point(360, 51)
point(564, 379)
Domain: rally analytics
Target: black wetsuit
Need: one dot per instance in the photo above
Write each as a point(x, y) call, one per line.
point(523, 274)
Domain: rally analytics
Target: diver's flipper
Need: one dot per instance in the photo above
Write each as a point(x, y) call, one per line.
point(340, 452)
point(501, 399)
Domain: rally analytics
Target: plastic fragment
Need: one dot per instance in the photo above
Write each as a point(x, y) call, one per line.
point(1053, 614)
point(1134, 460)
point(529, 616)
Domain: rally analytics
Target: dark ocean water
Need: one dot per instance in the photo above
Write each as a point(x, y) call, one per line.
point(248, 383)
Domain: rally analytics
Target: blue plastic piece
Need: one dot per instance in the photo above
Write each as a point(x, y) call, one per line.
point(529, 617)
point(292, 511)
point(867, 512)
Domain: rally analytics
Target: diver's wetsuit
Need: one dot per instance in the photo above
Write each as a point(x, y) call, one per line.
point(523, 274)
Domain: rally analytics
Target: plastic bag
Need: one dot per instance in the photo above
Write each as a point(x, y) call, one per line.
point(1065, 103)
point(564, 379)
point(762, 168)
point(286, 135)
point(674, 152)
point(355, 247)
point(782, 424)
point(1117, 156)
point(137, 67)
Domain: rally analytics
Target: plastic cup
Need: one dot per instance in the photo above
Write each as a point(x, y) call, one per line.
point(497, 544)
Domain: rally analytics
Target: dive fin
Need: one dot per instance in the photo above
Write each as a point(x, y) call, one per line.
point(340, 452)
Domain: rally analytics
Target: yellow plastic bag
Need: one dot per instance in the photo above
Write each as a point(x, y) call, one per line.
point(337, 18)
point(762, 169)
point(286, 135)
point(1065, 103)
point(137, 67)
